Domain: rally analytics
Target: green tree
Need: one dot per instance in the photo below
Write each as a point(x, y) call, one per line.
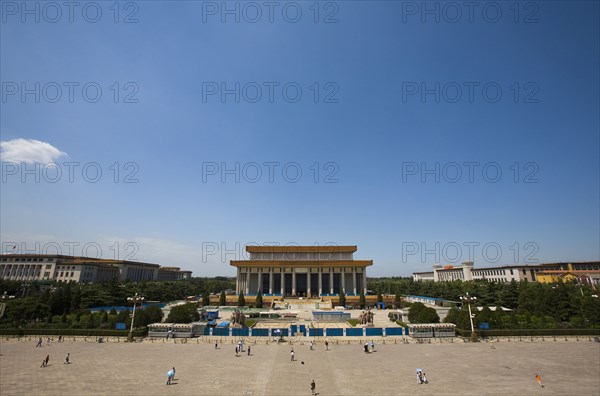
point(76, 300)
point(397, 301)
point(104, 317)
point(67, 296)
point(56, 301)
point(205, 299)
point(91, 323)
point(241, 300)
point(459, 317)
point(414, 312)
point(342, 298)
point(259, 299)
point(222, 299)
point(428, 315)
point(185, 313)
point(362, 301)
point(590, 307)
point(152, 314)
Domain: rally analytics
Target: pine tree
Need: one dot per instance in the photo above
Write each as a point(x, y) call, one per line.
point(362, 300)
point(259, 300)
point(205, 299)
point(397, 301)
point(241, 300)
point(76, 300)
point(222, 299)
point(342, 298)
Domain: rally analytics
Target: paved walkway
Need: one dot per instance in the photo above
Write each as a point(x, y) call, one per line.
point(140, 369)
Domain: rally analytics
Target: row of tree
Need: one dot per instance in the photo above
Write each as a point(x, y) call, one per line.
point(30, 312)
point(563, 302)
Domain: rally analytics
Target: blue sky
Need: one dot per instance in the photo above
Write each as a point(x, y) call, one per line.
point(370, 131)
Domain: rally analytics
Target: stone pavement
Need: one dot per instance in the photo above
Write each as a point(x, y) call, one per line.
point(571, 367)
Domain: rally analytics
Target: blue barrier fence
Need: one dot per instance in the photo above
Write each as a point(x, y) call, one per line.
point(354, 332)
point(221, 331)
point(374, 331)
point(394, 331)
point(333, 332)
point(240, 331)
point(303, 331)
point(315, 332)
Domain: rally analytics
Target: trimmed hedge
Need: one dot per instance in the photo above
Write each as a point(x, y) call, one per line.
point(529, 332)
point(73, 332)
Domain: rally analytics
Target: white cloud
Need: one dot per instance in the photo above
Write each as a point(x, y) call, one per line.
point(29, 151)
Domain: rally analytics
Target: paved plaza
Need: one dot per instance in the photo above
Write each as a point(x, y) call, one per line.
point(567, 367)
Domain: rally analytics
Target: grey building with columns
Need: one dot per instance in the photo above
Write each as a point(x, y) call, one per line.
point(301, 271)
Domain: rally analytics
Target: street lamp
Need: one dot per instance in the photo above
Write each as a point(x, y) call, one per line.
point(468, 299)
point(135, 300)
point(3, 304)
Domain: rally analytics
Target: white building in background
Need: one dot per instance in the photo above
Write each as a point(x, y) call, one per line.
point(505, 273)
point(61, 268)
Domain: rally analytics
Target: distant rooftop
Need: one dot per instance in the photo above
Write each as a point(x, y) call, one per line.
point(301, 249)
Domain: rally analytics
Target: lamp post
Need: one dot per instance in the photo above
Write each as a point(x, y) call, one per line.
point(3, 304)
point(468, 299)
point(135, 300)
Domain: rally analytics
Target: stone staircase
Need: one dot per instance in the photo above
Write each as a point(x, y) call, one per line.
point(302, 303)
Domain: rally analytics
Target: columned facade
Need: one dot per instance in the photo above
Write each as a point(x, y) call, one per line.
point(301, 271)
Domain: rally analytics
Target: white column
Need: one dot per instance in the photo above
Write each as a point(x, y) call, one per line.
point(364, 275)
point(293, 281)
point(237, 282)
point(320, 283)
point(282, 281)
point(330, 280)
point(354, 280)
point(308, 284)
point(343, 285)
point(270, 280)
point(248, 283)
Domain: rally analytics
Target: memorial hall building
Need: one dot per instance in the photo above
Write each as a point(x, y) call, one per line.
point(301, 271)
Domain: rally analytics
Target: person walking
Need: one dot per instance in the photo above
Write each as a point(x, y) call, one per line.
point(311, 345)
point(538, 379)
point(248, 350)
point(292, 355)
point(313, 387)
point(67, 359)
point(46, 360)
point(216, 344)
point(326, 345)
point(170, 375)
point(237, 351)
point(39, 343)
point(372, 346)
